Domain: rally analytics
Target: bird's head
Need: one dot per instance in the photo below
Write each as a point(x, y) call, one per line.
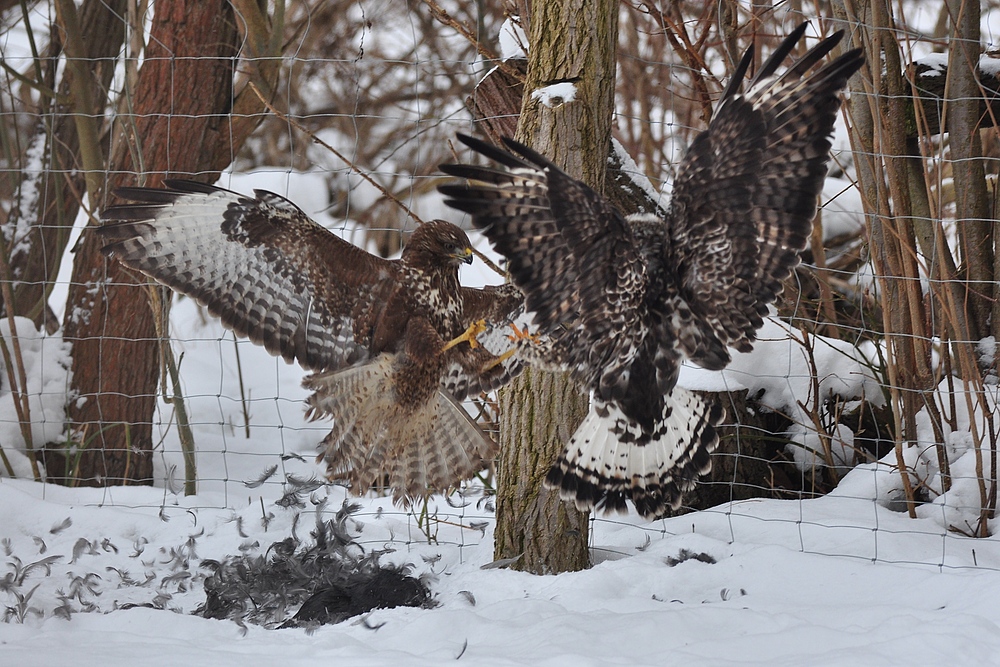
point(439, 242)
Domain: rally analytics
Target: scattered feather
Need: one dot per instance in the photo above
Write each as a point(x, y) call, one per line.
point(502, 562)
point(687, 554)
point(82, 547)
point(306, 585)
point(138, 547)
point(44, 564)
point(264, 476)
point(61, 526)
point(481, 526)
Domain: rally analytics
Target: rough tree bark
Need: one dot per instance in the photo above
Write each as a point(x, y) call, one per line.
point(962, 102)
point(35, 258)
point(574, 42)
point(928, 83)
point(179, 122)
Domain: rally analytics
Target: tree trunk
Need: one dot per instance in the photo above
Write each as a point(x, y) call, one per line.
point(35, 256)
point(963, 100)
point(180, 107)
point(496, 107)
point(538, 413)
point(572, 42)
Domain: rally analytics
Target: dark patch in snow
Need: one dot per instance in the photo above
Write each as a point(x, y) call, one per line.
point(327, 581)
point(687, 554)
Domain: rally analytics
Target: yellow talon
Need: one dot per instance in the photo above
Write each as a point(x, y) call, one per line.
point(469, 336)
point(518, 336)
point(522, 334)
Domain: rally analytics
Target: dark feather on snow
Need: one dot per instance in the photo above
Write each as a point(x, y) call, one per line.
point(328, 581)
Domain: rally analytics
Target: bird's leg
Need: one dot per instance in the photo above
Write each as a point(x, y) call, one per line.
point(522, 334)
point(518, 336)
point(496, 361)
point(469, 336)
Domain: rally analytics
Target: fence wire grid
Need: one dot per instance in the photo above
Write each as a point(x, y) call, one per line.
point(880, 357)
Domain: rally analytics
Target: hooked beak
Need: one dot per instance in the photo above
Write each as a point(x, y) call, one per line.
point(464, 255)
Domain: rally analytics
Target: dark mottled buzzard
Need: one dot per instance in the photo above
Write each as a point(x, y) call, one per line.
point(376, 332)
point(622, 301)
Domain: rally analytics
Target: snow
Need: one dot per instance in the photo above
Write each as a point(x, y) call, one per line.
point(555, 94)
point(968, 438)
point(631, 169)
point(513, 41)
point(45, 363)
point(17, 235)
point(989, 64)
point(841, 208)
point(787, 370)
point(832, 581)
point(937, 62)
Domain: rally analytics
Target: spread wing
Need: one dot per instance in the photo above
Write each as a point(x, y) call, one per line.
point(374, 330)
point(746, 192)
point(626, 299)
point(567, 248)
point(258, 263)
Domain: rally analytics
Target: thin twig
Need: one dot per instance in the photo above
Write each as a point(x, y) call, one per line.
point(243, 393)
point(439, 13)
point(86, 122)
point(6, 463)
point(356, 169)
point(18, 384)
point(176, 395)
point(346, 160)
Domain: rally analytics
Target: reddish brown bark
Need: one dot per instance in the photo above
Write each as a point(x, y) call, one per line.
point(181, 127)
point(62, 182)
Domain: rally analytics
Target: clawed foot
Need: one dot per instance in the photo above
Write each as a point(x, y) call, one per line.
point(519, 335)
point(469, 336)
point(522, 335)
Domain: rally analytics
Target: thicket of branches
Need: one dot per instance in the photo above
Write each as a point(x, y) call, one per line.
point(103, 97)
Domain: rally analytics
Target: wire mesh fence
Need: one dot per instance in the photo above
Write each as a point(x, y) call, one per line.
point(879, 359)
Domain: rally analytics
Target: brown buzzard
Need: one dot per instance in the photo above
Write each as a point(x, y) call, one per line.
point(377, 333)
point(622, 301)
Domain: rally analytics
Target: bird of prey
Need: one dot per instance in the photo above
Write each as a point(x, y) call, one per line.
point(383, 337)
point(620, 302)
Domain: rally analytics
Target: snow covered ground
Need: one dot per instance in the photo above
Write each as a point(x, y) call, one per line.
point(833, 581)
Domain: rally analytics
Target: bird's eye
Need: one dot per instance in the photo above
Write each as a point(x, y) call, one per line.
point(449, 246)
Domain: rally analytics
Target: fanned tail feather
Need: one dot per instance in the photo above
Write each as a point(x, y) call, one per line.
point(357, 398)
point(603, 465)
point(431, 448)
point(438, 450)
